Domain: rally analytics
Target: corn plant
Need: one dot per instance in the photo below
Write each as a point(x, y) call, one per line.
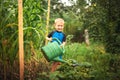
point(8, 46)
point(33, 35)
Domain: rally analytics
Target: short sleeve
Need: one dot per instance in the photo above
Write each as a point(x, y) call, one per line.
point(64, 38)
point(50, 34)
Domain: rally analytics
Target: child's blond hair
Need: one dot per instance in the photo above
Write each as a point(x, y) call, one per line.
point(59, 19)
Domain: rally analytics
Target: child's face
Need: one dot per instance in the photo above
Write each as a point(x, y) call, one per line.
point(59, 26)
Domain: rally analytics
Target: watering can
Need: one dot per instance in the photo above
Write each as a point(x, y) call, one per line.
point(52, 51)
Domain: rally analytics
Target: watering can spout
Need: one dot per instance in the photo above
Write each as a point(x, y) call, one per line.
point(59, 60)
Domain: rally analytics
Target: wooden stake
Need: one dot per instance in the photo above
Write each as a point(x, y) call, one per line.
point(47, 22)
point(20, 34)
point(87, 37)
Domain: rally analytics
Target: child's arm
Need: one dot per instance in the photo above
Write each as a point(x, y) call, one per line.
point(63, 44)
point(64, 41)
point(49, 37)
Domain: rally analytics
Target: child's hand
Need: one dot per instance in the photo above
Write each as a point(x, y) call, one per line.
point(62, 45)
point(50, 39)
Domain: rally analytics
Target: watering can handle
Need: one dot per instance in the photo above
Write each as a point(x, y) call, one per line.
point(57, 40)
point(59, 43)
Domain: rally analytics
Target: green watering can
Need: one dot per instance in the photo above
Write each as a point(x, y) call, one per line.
point(52, 51)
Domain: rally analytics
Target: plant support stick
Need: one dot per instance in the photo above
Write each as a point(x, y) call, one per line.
point(20, 34)
point(47, 23)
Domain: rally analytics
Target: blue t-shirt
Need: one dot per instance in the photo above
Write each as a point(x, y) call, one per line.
point(59, 35)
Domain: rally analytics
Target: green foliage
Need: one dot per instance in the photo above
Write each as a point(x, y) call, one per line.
point(34, 26)
point(112, 28)
point(33, 13)
point(104, 65)
point(8, 42)
point(74, 73)
point(8, 25)
point(33, 33)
